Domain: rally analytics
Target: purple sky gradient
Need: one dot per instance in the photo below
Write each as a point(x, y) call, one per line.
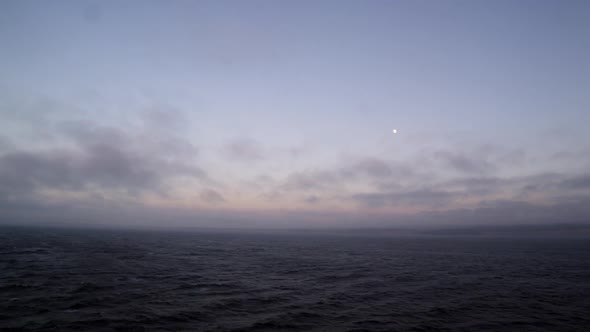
point(280, 114)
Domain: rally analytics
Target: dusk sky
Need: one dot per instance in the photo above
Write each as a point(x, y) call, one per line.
point(280, 113)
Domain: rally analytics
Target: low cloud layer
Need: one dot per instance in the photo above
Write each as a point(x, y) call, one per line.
point(85, 170)
point(102, 157)
point(211, 196)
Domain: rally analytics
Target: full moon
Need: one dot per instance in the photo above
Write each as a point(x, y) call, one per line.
point(395, 131)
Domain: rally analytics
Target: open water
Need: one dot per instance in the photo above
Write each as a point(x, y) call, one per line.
point(57, 279)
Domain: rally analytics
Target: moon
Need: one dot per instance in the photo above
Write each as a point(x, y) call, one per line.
point(395, 131)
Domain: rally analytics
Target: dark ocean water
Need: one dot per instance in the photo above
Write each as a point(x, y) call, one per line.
point(54, 279)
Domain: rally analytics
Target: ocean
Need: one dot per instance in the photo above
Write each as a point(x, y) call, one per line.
point(55, 279)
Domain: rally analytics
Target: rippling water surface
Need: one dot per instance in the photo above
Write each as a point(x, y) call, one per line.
point(60, 280)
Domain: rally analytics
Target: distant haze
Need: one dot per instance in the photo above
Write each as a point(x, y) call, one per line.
point(279, 114)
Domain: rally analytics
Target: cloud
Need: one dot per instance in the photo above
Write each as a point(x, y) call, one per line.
point(578, 182)
point(505, 212)
point(310, 180)
point(427, 169)
point(164, 118)
point(424, 198)
point(160, 144)
point(358, 170)
point(244, 150)
point(211, 196)
point(372, 167)
point(100, 165)
point(274, 195)
point(97, 156)
point(463, 163)
point(375, 183)
point(433, 179)
point(312, 199)
point(91, 166)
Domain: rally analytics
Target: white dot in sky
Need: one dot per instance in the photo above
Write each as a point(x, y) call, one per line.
point(395, 131)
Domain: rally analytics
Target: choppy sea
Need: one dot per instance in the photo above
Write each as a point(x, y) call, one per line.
point(113, 280)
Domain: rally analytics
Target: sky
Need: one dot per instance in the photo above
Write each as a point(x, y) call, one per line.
point(280, 114)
